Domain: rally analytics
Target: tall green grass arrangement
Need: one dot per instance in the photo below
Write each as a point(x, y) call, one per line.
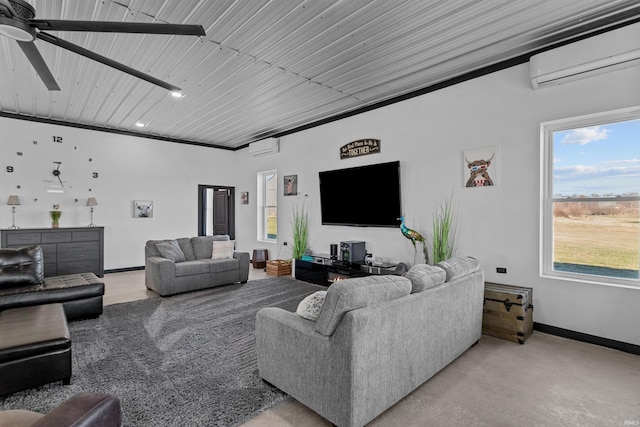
point(300, 228)
point(443, 231)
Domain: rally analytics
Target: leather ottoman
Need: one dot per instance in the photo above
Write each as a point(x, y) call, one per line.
point(35, 347)
point(80, 294)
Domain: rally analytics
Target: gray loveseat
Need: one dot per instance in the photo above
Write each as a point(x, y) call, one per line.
point(375, 340)
point(186, 264)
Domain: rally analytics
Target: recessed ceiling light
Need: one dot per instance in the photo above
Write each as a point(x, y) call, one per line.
point(140, 124)
point(177, 94)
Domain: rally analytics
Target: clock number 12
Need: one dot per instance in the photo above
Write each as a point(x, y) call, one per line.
point(57, 139)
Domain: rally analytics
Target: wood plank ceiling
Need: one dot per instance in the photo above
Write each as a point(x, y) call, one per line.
point(267, 67)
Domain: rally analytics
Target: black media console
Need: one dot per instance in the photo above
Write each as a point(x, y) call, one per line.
point(322, 270)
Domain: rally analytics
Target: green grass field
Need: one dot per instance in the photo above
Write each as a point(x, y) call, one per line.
point(611, 241)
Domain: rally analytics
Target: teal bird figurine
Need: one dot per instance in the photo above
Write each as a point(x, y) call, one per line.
point(414, 236)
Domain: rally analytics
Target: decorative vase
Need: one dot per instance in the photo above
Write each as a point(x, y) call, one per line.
point(55, 224)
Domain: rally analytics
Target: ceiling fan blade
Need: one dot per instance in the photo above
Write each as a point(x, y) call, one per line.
point(117, 27)
point(33, 55)
point(104, 60)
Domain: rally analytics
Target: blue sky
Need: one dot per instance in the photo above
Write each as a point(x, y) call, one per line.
point(600, 159)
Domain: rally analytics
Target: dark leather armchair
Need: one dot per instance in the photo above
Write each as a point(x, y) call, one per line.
point(82, 410)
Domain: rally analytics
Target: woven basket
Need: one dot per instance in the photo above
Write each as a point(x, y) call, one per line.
point(278, 267)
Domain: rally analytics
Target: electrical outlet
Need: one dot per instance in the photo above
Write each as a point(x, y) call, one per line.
point(502, 270)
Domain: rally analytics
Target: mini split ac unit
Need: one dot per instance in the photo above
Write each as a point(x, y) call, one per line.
point(606, 52)
point(264, 147)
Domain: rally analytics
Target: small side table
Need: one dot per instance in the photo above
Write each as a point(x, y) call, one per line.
point(260, 258)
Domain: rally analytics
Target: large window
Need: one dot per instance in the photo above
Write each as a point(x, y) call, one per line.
point(268, 206)
point(591, 198)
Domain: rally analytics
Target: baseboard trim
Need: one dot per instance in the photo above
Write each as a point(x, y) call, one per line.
point(591, 339)
point(124, 270)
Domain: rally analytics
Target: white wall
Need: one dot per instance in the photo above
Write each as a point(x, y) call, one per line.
point(499, 225)
point(129, 168)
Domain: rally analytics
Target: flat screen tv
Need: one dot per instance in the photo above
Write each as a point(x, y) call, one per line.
point(365, 196)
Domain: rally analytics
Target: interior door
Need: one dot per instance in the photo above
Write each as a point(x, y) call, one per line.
point(216, 210)
point(220, 211)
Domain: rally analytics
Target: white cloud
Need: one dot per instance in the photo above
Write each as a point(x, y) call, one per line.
point(585, 136)
point(625, 161)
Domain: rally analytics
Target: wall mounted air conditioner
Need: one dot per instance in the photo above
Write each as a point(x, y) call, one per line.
point(264, 147)
point(599, 54)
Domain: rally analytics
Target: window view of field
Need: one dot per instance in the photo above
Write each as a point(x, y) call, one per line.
point(595, 196)
point(601, 238)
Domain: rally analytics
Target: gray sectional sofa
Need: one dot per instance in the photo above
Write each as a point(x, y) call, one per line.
point(375, 339)
point(186, 264)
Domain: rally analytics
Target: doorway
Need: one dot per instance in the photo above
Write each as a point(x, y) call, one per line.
point(216, 210)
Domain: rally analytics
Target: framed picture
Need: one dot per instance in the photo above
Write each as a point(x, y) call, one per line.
point(480, 167)
point(142, 209)
point(244, 198)
point(291, 185)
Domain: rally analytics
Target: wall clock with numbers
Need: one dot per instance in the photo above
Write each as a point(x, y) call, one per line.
point(62, 166)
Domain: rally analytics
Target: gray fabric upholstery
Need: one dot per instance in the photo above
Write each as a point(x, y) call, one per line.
point(377, 354)
point(198, 271)
point(424, 276)
point(171, 250)
point(458, 267)
point(203, 245)
point(347, 295)
point(188, 268)
point(187, 248)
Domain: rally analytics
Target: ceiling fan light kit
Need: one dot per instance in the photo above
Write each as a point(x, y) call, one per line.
point(17, 23)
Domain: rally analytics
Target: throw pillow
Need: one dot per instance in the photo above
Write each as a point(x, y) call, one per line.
point(310, 307)
point(171, 250)
point(223, 249)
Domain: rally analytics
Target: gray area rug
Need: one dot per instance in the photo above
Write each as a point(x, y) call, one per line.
point(186, 360)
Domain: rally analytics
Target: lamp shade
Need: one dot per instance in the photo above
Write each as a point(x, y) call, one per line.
point(91, 201)
point(13, 200)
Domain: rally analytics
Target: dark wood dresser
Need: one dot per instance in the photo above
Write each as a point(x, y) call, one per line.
point(65, 250)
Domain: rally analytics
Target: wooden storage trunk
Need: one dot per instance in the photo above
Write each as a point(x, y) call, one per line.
point(508, 312)
point(278, 267)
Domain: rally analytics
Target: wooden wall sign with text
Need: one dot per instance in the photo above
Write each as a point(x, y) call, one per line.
point(360, 147)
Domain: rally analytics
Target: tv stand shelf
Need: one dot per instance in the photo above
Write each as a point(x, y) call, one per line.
point(323, 271)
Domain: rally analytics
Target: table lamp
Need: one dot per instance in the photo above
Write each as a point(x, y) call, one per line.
point(91, 201)
point(13, 202)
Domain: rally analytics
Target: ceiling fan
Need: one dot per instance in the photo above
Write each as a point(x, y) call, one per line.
point(16, 22)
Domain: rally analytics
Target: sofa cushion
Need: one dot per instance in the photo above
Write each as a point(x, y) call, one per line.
point(187, 248)
point(219, 265)
point(458, 267)
point(188, 268)
point(171, 250)
point(351, 294)
point(22, 266)
point(309, 308)
point(223, 249)
point(203, 245)
point(424, 276)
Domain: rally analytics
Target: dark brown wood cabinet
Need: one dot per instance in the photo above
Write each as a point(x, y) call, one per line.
point(65, 250)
